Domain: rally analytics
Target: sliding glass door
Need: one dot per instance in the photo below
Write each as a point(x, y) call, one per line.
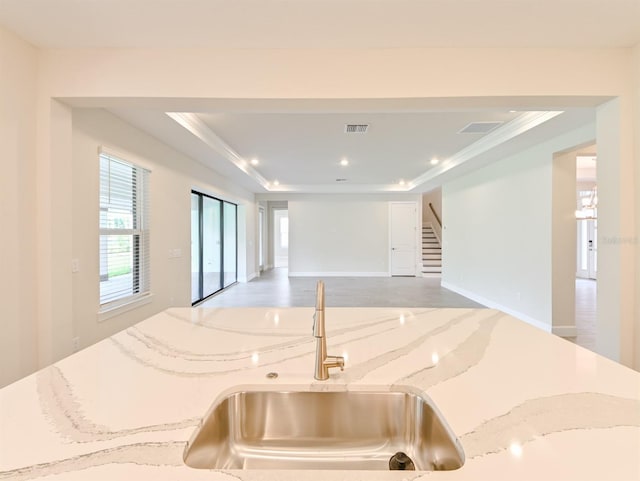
point(214, 249)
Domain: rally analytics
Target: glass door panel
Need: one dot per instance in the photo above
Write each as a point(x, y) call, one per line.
point(211, 239)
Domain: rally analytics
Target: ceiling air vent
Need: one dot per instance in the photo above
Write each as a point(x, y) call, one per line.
point(356, 128)
point(480, 127)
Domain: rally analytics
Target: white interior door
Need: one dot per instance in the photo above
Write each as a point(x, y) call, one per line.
point(402, 228)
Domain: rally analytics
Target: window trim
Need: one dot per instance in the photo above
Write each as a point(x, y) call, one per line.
point(120, 306)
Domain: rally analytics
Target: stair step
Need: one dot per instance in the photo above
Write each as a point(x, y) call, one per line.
point(432, 263)
point(432, 270)
point(432, 274)
point(431, 253)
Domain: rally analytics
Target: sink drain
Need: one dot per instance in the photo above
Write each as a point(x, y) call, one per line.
point(401, 462)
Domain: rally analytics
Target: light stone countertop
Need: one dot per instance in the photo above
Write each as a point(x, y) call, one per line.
point(524, 404)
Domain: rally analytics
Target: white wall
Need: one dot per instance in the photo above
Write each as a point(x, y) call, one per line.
point(172, 178)
point(563, 243)
point(636, 87)
point(334, 236)
point(340, 234)
point(617, 247)
point(497, 231)
point(18, 336)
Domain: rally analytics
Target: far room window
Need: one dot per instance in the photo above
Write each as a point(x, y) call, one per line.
point(124, 231)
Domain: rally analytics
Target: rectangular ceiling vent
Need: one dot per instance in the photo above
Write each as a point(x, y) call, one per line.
point(480, 127)
point(356, 128)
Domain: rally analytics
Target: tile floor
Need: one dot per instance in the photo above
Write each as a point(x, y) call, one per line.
point(586, 290)
point(275, 289)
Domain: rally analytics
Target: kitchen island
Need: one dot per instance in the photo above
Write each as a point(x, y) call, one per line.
point(524, 404)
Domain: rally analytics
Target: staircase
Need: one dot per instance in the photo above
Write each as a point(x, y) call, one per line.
point(431, 253)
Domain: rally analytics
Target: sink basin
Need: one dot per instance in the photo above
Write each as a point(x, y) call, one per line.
point(322, 430)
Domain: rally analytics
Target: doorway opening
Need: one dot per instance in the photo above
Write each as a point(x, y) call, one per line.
point(281, 238)
point(587, 247)
point(262, 227)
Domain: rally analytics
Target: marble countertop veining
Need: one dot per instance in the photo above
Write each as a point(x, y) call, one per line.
point(524, 404)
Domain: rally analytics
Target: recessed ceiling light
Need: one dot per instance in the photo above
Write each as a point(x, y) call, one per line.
point(254, 161)
point(276, 182)
point(344, 162)
point(401, 182)
point(434, 161)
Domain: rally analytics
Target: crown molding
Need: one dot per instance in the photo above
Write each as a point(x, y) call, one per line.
point(518, 126)
point(197, 127)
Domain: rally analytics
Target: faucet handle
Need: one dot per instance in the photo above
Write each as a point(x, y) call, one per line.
point(334, 361)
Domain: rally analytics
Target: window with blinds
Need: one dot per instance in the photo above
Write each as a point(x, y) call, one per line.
point(124, 231)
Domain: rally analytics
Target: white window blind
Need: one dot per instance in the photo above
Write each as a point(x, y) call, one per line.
point(124, 231)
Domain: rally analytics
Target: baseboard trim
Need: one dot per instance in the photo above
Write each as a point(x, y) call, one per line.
point(565, 331)
point(338, 274)
point(494, 305)
point(253, 275)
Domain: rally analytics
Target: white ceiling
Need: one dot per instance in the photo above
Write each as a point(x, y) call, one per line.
point(324, 23)
point(304, 148)
point(300, 143)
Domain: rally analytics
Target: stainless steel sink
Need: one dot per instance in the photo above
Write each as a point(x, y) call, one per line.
point(322, 430)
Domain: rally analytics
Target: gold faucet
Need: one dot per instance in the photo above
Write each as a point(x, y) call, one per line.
point(323, 362)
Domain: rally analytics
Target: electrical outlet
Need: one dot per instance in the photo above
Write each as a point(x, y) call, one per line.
point(75, 265)
point(75, 344)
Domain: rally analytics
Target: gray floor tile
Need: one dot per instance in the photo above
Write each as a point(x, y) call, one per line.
point(275, 289)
